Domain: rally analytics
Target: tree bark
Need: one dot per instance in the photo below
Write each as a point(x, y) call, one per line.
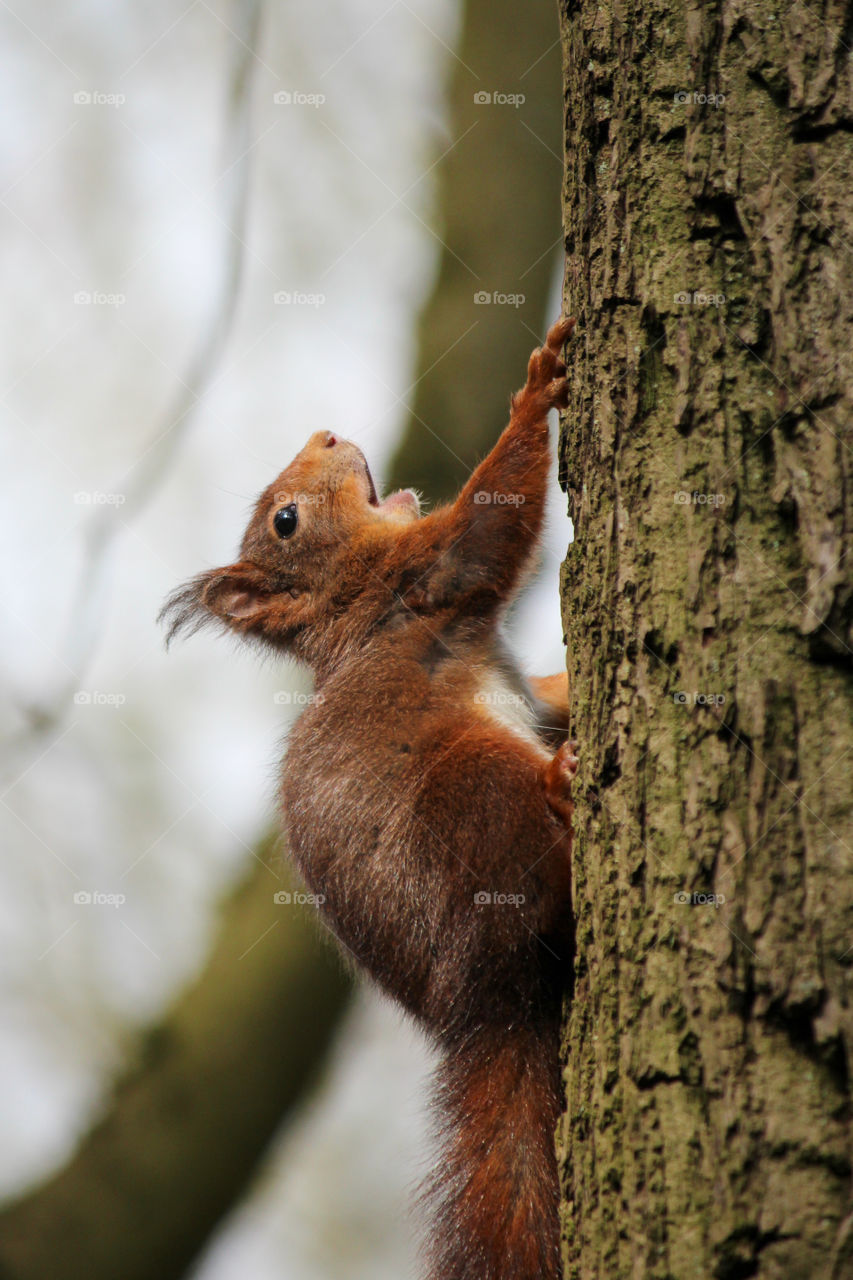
point(707, 604)
point(189, 1122)
point(707, 601)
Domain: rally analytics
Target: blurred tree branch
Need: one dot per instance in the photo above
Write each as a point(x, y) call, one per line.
point(104, 526)
point(188, 1123)
point(498, 213)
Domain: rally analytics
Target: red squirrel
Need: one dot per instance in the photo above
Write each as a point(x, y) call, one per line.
point(422, 794)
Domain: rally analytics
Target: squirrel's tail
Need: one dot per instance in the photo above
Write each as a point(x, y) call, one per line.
point(495, 1186)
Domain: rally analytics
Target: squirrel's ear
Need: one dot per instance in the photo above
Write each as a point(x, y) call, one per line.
point(246, 600)
point(232, 595)
point(238, 595)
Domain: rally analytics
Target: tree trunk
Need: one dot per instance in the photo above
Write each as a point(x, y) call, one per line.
point(707, 602)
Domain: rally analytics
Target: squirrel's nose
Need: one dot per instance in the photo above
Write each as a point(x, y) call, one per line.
point(324, 440)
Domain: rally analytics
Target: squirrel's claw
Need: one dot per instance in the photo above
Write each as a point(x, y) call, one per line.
point(546, 370)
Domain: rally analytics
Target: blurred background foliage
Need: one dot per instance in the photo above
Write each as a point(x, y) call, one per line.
point(226, 225)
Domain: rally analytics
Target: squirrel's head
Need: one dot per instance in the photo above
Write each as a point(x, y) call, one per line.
point(316, 539)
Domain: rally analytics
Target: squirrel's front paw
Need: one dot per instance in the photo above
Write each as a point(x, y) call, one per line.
point(558, 778)
point(546, 373)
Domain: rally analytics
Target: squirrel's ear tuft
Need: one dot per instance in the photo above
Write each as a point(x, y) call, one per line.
point(229, 595)
point(183, 610)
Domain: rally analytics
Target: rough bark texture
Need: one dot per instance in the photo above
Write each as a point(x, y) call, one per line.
point(189, 1123)
point(707, 601)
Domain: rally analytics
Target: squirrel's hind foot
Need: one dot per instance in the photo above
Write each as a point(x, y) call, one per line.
point(559, 776)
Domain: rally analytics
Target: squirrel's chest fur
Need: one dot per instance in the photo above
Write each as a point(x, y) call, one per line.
point(372, 801)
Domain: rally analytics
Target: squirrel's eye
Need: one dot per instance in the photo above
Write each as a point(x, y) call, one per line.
point(286, 520)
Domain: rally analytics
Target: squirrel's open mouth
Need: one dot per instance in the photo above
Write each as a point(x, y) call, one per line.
point(372, 495)
point(403, 500)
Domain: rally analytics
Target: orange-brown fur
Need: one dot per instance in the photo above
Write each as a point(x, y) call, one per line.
point(411, 785)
